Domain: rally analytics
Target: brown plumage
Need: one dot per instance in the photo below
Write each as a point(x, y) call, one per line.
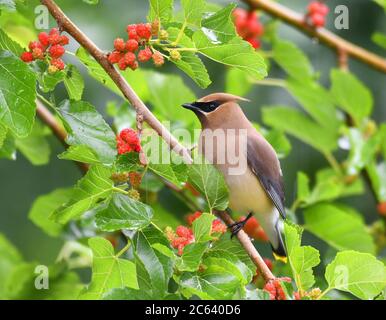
point(257, 187)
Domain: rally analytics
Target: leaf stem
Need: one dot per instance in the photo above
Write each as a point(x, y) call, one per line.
point(180, 34)
point(333, 162)
point(120, 190)
point(124, 249)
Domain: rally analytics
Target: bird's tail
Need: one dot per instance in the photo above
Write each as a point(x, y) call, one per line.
point(279, 251)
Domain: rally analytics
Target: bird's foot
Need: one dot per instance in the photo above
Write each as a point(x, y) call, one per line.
point(237, 226)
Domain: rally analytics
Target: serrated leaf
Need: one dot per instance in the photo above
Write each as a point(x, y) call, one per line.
point(202, 227)
point(161, 10)
point(85, 126)
point(235, 53)
point(210, 183)
point(156, 267)
point(49, 81)
point(128, 162)
point(221, 24)
point(361, 274)
point(73, 82)
point(351, 95)
point(123, 212)
point(338, 228)
point(94, 186)
point(193, 11)
point(17, 94)
point(317, 101)
point(80, 153)
point(6, 43)
point(292, 60)
point(43, 207)
point(302, 259)
point(299, 125)
point(191, 256)
point(108, 271)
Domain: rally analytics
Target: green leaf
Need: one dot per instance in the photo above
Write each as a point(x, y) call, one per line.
point(128, 162)
point(74, 83)
point(237, 82)
point(6, 43)
point(17, 94)
point(221, 24)
point(351, 95)
point(43, 207)
point(128, 294)
point(80, 153)
point(317, 101)
point(379, 39)
point(94, 186)
point(210, 183)
point(362, 150)
point(191, 256)
point(202, 227)
point(167, 94)
point(48, 81)
point(279, 142)
point(3, 134)
point(377, 174)
point(217, 281)
point(161, 10)
point(35, 147)
point(108, 270)
point(85, 126)
point(9, 259)
point(235, 53)
point(361, 274)
point(175, 173)
point(292, 60)
point(123, 212)
point(303, 189)
point(299, 125)
point(193, 11)
point(8, 149)
point(156, 268)
point(338, 228)
point(302, 259)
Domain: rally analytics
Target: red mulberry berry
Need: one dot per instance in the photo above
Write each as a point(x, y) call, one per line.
point(132, 33)
point(27, 57)
point(115, 56)
point(144, 31)
point(58, 63)
point(318, 20)
point(218, 227)
point(381, 207)
point(132, 45)
point(135, 179)
point(134, 65)
point(35, 45)
point(255, 43)
point(64, 40)
point(43, 38)
point(54, 36)
point(119, 44)
point(144, 55)
point(129, 58)
point(56, 51)
point(38, 53)
point(158, 59)
point(122, 65)
point(190, 218)
point(128, 140)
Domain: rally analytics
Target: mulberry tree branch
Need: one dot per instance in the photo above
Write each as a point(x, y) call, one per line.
point(325, 36)
point(67, 25)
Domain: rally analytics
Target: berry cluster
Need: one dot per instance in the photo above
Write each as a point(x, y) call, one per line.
point(181, 238)
point(184, 235)
point(317, 12)
point(313, 294)
point(50, 46)
point(248, 26)
point(136, 49)
point(128, 141)
point(275, 289)
point(254, 230)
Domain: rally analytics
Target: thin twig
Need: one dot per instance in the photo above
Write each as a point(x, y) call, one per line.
point(148, 116)
point(297, 20)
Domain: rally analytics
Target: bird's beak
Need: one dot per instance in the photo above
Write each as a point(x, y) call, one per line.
point(190, 106)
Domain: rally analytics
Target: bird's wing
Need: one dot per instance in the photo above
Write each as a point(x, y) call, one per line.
point(263, 162)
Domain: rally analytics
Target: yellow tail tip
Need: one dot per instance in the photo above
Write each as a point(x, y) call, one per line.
point(280, 258)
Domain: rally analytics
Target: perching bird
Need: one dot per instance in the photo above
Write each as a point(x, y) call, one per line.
point(257, 187)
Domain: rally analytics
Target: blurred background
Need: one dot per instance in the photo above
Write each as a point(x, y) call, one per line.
point(21, 182)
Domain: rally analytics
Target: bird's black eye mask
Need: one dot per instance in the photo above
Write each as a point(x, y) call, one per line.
point(203, 106)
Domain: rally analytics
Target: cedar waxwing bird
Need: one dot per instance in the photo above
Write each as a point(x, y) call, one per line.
point(256, 188)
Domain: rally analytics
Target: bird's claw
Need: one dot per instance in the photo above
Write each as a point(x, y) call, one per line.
point(237, 226)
